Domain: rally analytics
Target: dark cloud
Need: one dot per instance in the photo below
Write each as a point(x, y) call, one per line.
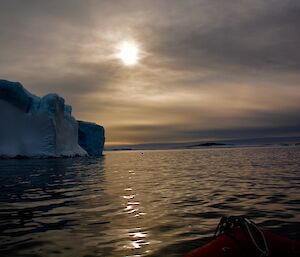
point(165, 134)
point(267, 40)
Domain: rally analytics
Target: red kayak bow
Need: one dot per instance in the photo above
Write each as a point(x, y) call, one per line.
point(237, 236)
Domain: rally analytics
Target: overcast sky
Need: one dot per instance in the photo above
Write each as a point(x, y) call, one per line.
point(208, 69)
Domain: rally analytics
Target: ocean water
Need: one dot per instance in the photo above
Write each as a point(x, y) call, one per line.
point(152, 203)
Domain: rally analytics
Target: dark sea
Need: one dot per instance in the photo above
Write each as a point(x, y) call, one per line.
point(151, 203)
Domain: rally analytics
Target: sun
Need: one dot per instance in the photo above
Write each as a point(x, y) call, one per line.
point(128, 53)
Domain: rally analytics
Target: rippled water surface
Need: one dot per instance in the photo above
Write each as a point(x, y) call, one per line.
point(155, 203)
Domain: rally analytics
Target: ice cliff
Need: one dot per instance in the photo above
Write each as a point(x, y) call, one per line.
point(38, 127)
point(91, 137)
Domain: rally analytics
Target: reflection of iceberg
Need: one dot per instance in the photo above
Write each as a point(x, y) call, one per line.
point(36, 127)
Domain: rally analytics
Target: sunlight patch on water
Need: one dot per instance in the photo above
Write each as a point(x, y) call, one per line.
point(128, 196)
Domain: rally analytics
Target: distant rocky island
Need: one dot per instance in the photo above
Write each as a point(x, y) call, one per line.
point(208, 144)
point(43, 127)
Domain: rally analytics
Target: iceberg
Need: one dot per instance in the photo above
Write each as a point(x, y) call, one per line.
point(41, 127)
point(91, 137)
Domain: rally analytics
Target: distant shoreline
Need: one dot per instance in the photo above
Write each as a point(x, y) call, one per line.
point(288, 142)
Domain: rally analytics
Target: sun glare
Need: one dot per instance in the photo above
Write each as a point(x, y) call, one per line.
point(128, 53)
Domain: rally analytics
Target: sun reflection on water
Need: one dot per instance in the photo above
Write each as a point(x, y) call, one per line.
point(128, 196)
point(138, 234)
point(133, 207)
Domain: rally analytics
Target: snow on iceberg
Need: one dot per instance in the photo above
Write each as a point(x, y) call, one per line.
point(36, 127)
point(91, 137)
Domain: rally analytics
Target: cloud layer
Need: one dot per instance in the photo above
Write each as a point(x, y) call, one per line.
point(208, 69)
